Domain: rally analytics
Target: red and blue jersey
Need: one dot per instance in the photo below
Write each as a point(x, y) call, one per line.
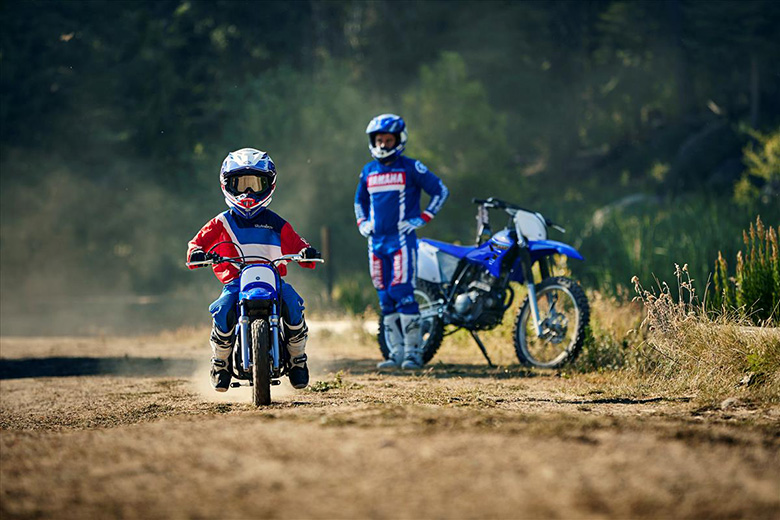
point(390, 193)
point(267, 235)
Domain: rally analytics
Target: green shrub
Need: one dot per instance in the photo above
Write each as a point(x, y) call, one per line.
point(755, 289)
point(619, 241)
point(355, 295)
point(763, 166)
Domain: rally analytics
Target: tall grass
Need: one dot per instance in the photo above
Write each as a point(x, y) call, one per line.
point(712, 356)
point(754, 291)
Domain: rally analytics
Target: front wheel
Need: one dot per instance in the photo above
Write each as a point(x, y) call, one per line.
point(261, 368)
point(563, 314)
point(431, 326)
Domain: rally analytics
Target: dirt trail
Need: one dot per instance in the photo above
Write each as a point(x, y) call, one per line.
point(128, 428)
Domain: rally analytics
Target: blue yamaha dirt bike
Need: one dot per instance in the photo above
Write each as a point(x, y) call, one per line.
point(468, 287)
point(258, 357)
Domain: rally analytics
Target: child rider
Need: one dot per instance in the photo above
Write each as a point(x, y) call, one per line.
point(248, 179)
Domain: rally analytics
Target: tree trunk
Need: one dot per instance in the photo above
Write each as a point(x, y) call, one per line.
point(755, 91)
point(681, 68)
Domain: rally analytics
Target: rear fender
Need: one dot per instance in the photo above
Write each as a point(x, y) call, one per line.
point(436, 262)
point(428, 263)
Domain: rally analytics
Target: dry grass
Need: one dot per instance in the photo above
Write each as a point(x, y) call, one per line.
point(713, 357)
point(615, 334)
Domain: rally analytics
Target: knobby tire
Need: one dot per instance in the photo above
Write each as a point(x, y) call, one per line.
point(261, 371)
point(574, 346)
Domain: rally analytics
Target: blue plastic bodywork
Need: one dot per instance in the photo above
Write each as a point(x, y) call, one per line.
point(450, 249)
point(542, 248)
point(258, 291)
point(491, 253)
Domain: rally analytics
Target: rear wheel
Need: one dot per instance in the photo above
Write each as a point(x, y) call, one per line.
point(261, 367)
point(431, 326)
point(563, 313)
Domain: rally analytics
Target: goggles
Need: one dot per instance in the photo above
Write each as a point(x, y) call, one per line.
point(241, 183)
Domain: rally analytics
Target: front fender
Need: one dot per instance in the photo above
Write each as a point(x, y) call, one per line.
point(261, 291)
point(541, 248)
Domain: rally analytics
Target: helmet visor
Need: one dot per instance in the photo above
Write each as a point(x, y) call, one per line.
point(255, 183)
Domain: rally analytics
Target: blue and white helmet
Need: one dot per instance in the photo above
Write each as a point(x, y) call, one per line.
point(248, 179)
point(390, 124)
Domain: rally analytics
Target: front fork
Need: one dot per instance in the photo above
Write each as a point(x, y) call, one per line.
point(528, 274)
point(273, 321)
point(534, 308)
point(243, 328)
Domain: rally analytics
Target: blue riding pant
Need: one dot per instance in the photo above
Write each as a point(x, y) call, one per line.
point(223, 310)
point(393, 276)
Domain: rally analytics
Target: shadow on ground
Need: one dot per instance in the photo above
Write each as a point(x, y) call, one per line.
point(85, 366)
point(152, 367)
point(436, 370)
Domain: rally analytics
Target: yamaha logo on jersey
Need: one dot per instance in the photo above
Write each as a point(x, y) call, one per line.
point(420, 167)
point(390, 181)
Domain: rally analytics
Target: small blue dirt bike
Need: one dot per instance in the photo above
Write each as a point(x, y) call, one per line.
point(469, 288)
point(258, 357)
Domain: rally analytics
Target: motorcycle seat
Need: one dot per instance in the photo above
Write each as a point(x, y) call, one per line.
point(452, 249)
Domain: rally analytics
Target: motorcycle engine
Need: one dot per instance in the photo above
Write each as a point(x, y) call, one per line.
point(481, 304)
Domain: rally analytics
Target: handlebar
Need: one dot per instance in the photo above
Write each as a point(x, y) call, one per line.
point(492, 202)
point(241, 261)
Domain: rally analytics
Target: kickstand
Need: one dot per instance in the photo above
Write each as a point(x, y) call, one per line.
point(481, 347)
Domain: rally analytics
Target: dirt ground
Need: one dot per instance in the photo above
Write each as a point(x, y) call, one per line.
point(129, 428)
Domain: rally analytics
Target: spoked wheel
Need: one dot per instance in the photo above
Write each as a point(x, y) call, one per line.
point(563, 315)
point(431, 326)
point(261, 367)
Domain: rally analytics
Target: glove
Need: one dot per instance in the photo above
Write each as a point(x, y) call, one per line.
point(366, 228)
point(197, 255)
point(310, 253)
point(407, 226)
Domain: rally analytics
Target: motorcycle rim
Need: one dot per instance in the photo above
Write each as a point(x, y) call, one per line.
point(563, 313)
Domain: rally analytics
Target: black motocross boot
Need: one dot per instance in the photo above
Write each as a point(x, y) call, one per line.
point(220, 375)
point(296, 346)
point(299, 373)
point(222, 347)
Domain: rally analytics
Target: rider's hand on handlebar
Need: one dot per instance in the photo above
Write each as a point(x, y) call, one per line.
point(310, 253)
point(197, 255)
point(366, 228)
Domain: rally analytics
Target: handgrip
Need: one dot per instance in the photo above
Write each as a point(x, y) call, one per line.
point(202, 263)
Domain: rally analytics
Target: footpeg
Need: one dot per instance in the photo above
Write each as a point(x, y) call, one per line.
point(236, 384)
point(275, 382)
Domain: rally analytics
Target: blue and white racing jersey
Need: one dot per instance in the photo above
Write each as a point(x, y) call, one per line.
point(389, 194)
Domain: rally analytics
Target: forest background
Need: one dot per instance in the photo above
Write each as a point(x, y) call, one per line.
point(649, 129)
